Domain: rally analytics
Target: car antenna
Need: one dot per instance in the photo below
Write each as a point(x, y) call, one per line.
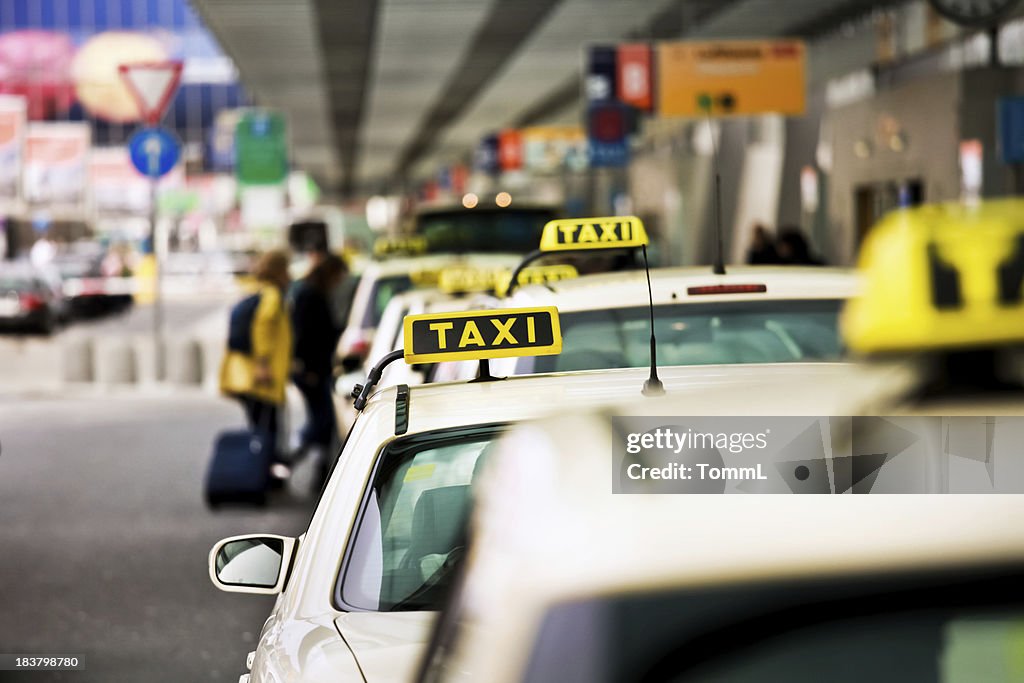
point(718, 268)
point(653, 385)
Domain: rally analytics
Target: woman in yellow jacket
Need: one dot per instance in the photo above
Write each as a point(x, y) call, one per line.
point(259, 379)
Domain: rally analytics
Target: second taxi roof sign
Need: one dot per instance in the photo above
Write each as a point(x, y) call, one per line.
point(477, 335)
point(612, 232)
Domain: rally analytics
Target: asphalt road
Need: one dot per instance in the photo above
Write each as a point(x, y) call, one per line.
point(104, 539)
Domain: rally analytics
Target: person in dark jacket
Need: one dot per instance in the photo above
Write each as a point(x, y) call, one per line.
point(794, 250)
point(762, 247)
point(316, 335)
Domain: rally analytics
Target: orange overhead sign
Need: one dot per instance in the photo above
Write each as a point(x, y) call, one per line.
point(731, 77)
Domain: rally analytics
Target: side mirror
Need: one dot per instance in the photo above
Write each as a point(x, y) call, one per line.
point(252, 564)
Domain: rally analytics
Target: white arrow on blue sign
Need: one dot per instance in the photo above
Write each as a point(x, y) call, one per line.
point(154, 151)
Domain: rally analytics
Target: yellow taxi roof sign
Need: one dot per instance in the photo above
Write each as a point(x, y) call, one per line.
point(466, 279)
point(940, 277)
point(609, 232)
point(476, 335)
point(384, 246)
point(535, 275)
point(425, 277)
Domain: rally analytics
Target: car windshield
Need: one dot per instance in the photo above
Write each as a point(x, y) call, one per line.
point(383, 289)
point(515, 231)
point(410, 531)
point(772, 331)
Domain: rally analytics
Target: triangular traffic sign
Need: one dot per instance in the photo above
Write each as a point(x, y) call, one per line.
point(153, 84)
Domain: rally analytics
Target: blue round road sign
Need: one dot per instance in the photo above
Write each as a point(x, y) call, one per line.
point(154, 151)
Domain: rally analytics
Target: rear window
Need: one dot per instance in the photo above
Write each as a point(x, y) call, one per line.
point(515, 231)
point(383, 289)
point(771, 331)
point(940, 627)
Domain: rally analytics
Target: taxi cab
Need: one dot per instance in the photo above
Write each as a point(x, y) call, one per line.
point(593, 584)
point(747, 315)
point(358, 591)
point(587, 585)
point(388, 338)
point(380, 280)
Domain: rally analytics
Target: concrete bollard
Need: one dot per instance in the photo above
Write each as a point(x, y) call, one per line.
point(213, 352)
point(114, 361)
point(77, 359)
point(144, 347)
point(184, 362)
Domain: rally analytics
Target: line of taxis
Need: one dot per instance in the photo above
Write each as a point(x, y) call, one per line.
point(469, 530)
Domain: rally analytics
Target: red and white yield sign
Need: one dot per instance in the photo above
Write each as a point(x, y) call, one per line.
point(153, 85)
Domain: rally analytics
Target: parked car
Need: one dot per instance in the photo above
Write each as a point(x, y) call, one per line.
point(28, 301)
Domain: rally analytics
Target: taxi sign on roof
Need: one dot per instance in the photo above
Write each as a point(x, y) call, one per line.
point(611, 232)
point(536, 275)
point(399, 245)
point(466, 279)
point(941, 277)
point(476, 335)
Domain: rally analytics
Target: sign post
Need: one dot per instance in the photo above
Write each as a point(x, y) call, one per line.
point(154, 152)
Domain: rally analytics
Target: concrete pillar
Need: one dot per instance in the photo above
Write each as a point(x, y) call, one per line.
point(114, 361)
point(77, 359)
point(184, 362)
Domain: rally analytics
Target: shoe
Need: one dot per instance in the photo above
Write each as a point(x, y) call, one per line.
point(279, 476)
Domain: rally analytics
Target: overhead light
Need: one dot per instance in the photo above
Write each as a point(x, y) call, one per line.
point(503, 199)
point(470, 200)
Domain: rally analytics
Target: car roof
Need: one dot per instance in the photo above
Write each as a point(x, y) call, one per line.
point(669, 285)
point(700, 389)
point(716, 539)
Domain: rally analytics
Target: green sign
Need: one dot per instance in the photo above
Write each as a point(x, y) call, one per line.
point(261, 150)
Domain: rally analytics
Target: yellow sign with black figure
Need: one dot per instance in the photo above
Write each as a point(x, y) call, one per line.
point(476, 335)
point(612, 232)
point(536, 275)
point(385, 246)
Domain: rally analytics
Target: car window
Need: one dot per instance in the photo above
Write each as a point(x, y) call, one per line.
point(774, 331)
point(515, 231)
point(383, 289)
point(939, 627)
point(410, 532)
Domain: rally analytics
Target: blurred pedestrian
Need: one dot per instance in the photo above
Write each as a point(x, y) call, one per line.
point(316, 337)
point(43, 251)
point(256, 366)
point(794, 250)
point(762, 247)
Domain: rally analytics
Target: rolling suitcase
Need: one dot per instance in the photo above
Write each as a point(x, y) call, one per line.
point(239, 469)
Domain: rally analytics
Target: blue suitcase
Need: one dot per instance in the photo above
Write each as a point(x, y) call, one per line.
point(239, 469)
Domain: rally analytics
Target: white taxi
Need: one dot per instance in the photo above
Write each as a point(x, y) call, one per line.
point(358, 591)
point(381, 280)
point(746, 315)
point(583, 584)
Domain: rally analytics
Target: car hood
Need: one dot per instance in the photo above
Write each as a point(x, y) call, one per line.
point(387, 646)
